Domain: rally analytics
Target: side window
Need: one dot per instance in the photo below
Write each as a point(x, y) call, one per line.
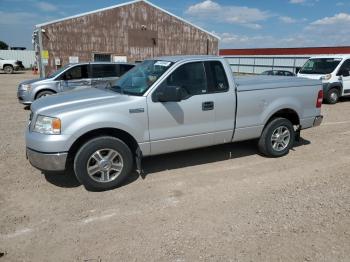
point(191, 77)
point(105, 70)
point(216, 75)
point(76, 72)
point(345, 67)
point(125, 68)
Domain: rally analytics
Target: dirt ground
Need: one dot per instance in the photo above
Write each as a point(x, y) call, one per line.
point(224, 203)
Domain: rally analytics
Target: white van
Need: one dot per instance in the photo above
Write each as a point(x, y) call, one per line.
point(334, 71)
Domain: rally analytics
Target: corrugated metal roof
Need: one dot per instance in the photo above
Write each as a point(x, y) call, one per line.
point(124, 4)
point(288, 51)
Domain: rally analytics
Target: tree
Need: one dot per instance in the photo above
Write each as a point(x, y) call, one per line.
point(3, 45)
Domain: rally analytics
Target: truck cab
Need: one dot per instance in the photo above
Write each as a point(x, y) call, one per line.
point(333, 71)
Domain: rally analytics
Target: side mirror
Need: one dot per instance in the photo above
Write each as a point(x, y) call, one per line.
point(169, 94)
point(343, 72)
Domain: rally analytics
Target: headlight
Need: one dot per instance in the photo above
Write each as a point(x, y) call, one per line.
point(326, 77)
point(25, 87)
point(47, 125)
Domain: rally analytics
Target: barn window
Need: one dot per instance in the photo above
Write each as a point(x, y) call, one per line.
point(102, 57)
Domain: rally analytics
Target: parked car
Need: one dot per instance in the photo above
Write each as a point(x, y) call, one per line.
point(278, 73)
point(69, 77)
point(165, 105)
point(9, 66)
point(334, 71)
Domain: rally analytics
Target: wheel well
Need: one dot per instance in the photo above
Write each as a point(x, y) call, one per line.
point(289, 114)
point(335, 87)
point(7, 65)
point(117, 133)
point(47, 89)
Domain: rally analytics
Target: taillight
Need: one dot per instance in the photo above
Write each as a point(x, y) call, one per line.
point(319, 99)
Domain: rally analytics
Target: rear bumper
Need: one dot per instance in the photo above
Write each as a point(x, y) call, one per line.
point(318, 120)
point(47, 161)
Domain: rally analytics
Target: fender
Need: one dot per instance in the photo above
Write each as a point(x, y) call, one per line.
point(42, 87)
point(329, 86)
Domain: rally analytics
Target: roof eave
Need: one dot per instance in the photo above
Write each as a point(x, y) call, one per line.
point(125, 4)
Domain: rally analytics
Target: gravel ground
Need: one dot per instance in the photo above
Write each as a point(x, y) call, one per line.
point(224, 203)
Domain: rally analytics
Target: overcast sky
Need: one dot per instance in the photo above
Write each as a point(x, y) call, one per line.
point(240, 24)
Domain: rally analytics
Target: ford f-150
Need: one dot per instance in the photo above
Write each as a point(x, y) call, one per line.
point(164, 105)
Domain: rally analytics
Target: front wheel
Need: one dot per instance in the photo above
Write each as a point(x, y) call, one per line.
point(277, 138)
point(8, 69)
point(44, 93)
point(103, 163)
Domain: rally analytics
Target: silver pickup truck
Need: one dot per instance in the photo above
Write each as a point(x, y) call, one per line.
point(164, 105)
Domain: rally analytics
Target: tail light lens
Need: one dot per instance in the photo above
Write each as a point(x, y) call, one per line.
point(319, 99)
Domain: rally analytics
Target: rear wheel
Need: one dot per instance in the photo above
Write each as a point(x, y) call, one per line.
point(8, 69)
point(44, 93)
point(332, 96)
point(277, 138)
point(103, 163)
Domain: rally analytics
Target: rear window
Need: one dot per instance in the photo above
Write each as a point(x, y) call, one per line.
point(216, 75)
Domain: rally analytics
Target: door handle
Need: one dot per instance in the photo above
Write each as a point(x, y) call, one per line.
point(209, 105)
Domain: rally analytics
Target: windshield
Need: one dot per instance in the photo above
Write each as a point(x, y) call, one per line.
point(56, 73)
point(141, 77)
point(320, 66)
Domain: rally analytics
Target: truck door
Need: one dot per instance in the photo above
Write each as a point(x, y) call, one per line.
point(344, 72)
point(192, 122)
point(75, 77)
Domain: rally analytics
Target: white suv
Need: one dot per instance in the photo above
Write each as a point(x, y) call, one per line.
point(9, 66)
point(334, 71)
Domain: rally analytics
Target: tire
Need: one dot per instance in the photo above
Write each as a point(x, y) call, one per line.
point(44, 93)
point(8, 69)
point(102, 174)
point(270, 143)
point(332, 96)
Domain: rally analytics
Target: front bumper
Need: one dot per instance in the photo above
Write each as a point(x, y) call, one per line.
point(23, 97)
point(318, 120)
point(47, 161)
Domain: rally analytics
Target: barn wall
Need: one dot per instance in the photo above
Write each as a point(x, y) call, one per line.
point(137, 31)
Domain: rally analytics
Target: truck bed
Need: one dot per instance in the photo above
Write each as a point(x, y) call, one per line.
point(259, 96)
point(250, 83)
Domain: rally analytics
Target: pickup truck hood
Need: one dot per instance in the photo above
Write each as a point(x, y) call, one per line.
point(7, 61)
point(310, 76)
point(249, 83)
point(31, 81)
point(73, 99)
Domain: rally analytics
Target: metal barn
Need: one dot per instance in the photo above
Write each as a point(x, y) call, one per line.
point(256, 61)
point(129, 32)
